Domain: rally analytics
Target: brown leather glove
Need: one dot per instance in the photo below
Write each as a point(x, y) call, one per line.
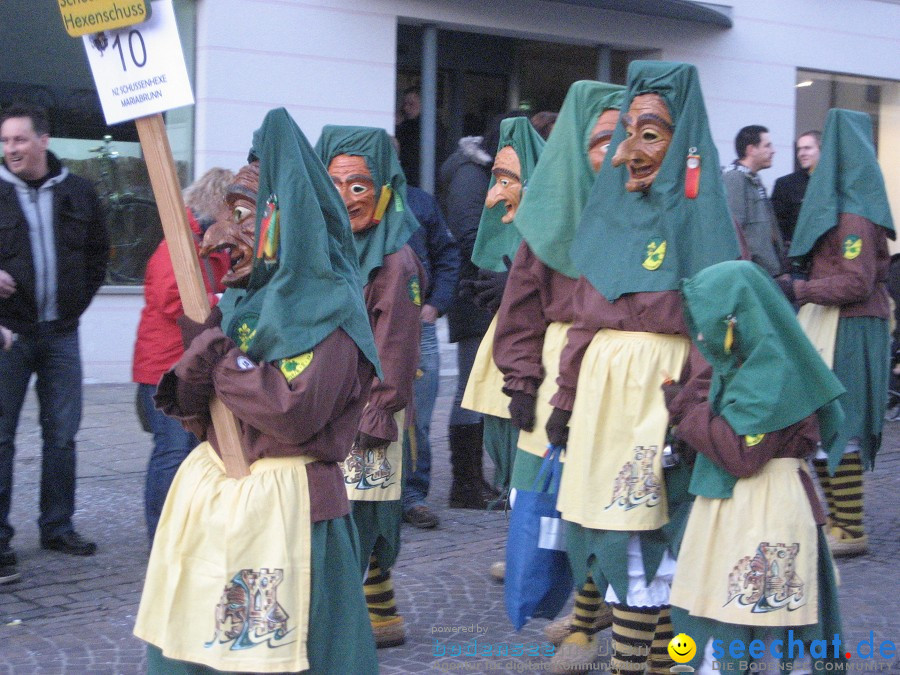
point(521, 410)
point(558, 426)
point(191, 329)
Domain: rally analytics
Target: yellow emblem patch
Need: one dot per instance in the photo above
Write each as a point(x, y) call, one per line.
point(245, 335)
point(656, 253)
point(415, 290)
point(754, 439)
point(295, 365)
point(852, 247)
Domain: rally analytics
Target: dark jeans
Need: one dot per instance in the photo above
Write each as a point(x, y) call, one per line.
point(171, 444)
point(418, 481)
point(466, 351)
point(56, 360)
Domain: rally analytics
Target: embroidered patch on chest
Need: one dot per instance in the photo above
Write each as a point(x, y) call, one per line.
point(852, 247)
point(246, 331)
point(656, 253)
point(415, 290)
point(753, 439)
point(295, 365)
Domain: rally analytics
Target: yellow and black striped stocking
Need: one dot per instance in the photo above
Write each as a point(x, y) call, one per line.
point(660, 661)
point(821, 467)
point(587, 609)
point(847, 486)
point(633, 630)
point(379, 593)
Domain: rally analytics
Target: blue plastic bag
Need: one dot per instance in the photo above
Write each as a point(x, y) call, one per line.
point(538, 577)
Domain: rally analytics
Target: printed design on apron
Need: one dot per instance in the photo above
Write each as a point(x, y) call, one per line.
point(368, 469)
point(249, 614)
point(636, 483)
point(767, 581)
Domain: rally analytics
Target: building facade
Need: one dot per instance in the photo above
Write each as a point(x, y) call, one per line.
point(770, 62)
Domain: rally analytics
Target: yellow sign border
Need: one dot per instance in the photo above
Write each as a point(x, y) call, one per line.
point(83, 17)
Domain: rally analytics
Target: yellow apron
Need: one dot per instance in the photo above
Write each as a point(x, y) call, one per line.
point(376, 475)
point(613, 478)
point(536, 441)
point(228, 582)
point(752, 560)
point(484, 390)
point(820, 323)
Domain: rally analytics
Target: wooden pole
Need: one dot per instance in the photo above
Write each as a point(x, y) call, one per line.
point(166, 190)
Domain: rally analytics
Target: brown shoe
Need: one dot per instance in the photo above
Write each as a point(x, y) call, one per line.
point(389, 633)
point(559, 629)
point(421, 516)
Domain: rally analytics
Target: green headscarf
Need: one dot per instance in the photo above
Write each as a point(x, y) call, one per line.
point(305, 278)
point(620, 238)
point(398, 222)
point(766, 373)
point(496, 239)
point(549, 212)
point(847, 179)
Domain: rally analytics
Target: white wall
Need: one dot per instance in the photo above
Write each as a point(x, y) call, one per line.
point(334, 62)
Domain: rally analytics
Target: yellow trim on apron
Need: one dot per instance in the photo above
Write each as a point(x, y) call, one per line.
point(613, 478)
point(535, 442)
point(484, 389)
point(228, 582)
point(376, 475)
point(744, 561)
point(820, 323)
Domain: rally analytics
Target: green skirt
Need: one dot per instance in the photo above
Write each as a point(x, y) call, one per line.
point(702, 629)
point(862, 364)
point(378, 524)
point(525, 470)
point(340, 634)
point(500, 438)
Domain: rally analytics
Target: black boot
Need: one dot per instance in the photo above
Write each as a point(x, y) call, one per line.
point(469, 490)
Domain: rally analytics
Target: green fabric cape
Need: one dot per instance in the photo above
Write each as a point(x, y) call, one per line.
point(398, 223)
point(559, 187)
point(311, 287)
point(847, 179)
point(771, 376)
point(496, 239)
point(618, 227)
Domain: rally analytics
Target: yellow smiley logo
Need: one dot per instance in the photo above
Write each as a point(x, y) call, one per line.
point(682, 648)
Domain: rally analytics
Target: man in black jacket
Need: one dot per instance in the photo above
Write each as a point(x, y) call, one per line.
point(787, 197)
point(53, 253)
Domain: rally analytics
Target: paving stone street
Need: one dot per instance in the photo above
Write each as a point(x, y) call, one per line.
point(75, 615)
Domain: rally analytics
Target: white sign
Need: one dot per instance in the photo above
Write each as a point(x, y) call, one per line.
point(139, 70)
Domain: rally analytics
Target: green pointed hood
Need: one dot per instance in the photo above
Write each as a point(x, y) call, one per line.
point(496, 239)
point(549, 212)
point(619, 230)
point(305, 278)
point(847, 179)
point(766, 373)
point(398, 222)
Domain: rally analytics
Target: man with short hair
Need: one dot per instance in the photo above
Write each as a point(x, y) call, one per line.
point(54, 248)
point(787, 196)
point(747, 199)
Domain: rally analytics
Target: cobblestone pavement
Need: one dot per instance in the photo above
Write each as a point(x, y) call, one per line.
point(75, 615)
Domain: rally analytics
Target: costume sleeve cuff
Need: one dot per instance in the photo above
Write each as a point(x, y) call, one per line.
point(378, 423)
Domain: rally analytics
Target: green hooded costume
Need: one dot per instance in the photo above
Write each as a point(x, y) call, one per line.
point(397, 223)
point(766, 377)
point(619, 230)
point(497, 239)
point(766, 373)
point(848, 179)
point(549, 212)
point(305, 278)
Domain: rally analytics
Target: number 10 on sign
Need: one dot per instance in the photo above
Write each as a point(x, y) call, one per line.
point(139, 70)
